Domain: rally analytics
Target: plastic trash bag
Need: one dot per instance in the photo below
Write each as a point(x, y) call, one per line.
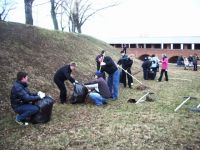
point(79, 94)
point(44, 115)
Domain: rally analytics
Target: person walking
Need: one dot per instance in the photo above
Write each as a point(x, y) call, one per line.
point(164, 68)
point(61, 75)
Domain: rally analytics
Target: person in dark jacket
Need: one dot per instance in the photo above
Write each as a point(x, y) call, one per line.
point(126, 63)
point(98, 64)
point(108, 65)
point(99, 90)
point(146, 68)
point(195, 59)
point(63, 74)
point(22, 99)
point(124, 48)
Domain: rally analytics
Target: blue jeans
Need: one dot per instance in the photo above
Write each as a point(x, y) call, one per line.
point(25, 111)
point(113, 84)
point(97, 98)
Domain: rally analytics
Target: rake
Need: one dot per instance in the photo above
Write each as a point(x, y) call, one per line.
point(141, 86)
point(187, 98)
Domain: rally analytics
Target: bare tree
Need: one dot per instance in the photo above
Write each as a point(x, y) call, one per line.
point(54, 7)
point(5, 7)
point(28, 11)
point(78, 12)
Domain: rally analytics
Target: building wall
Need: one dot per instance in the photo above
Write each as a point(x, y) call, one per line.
point(140, 53)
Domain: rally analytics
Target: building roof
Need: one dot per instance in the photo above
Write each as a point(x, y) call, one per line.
point(155, 40)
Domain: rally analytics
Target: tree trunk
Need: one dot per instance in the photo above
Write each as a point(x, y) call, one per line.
point(28, 11)
point(53, 15)
point(79, 28)
point(1, 14)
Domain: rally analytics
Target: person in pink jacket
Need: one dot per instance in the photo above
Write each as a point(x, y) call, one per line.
point(164, 67)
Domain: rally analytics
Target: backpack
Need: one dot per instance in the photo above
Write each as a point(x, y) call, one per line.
point(79, 94)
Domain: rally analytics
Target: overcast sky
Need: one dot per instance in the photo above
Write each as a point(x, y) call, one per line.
point(129, 19)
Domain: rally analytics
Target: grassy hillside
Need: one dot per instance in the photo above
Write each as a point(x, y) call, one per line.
point(41, 52)
point(119, 125)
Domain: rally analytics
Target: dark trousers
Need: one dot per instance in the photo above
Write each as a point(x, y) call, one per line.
point(145, 74)
point(154, 73)
point(63, 90)
point(195, 67)
point(123, 78)
point(25, 111)
point(161, 74)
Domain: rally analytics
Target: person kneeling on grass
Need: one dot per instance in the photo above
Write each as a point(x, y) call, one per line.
point(21, 99)
point(99, 90)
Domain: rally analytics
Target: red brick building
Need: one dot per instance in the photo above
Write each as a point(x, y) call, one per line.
point(172, 46)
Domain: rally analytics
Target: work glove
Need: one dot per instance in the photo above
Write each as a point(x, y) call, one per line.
point(75, 82)
point(102, 63)
point(41, 94)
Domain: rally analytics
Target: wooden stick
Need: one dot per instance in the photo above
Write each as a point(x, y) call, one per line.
point(179, 106)
point(181, 79)
point(140, 100)
point(198, 106)
point(130, 75)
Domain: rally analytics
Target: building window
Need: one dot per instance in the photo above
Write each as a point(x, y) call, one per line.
point(176, 46)
point(167, 46)
point(187, 46)
point(132, 45)
point(197, 46)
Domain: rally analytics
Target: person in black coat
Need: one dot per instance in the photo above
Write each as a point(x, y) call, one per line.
point(109, 66)
point(22, 99)
point(124, 48)
point(195, 59)
point(126, 63)
point(146, 68)
point(63, 74)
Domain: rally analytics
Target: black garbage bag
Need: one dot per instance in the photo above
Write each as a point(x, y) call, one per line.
point(44, 115)
point(79, 94)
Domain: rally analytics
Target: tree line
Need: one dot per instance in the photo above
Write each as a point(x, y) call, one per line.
point(73, 13)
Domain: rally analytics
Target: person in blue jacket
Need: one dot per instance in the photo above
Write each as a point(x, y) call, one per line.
point(63, 74)
point(22, 99)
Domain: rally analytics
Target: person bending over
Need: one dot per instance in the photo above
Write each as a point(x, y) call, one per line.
point(63, 74)
point(109, 66)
